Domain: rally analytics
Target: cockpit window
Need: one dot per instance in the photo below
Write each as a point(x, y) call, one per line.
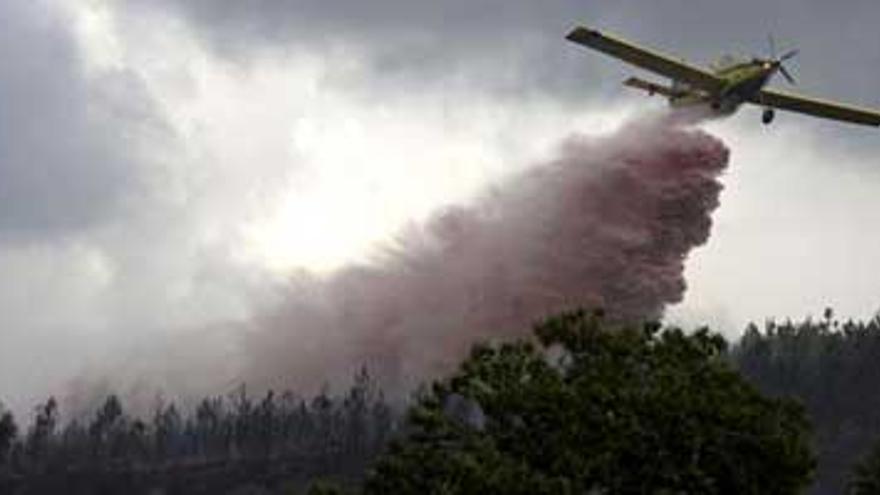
point(727, 61)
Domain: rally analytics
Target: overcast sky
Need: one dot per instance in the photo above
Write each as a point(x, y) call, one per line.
point(166, 164)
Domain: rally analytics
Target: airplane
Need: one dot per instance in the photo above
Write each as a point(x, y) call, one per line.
point(725, 86)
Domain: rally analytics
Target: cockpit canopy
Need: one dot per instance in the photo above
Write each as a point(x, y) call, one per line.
point(728, 62)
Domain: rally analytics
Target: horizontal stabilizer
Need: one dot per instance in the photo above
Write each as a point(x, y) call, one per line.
point(651, 88)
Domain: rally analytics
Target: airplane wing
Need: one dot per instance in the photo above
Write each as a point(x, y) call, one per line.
point(816, 108)
point(646, 59)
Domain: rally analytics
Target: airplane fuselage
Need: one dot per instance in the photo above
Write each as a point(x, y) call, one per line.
point(741, 83)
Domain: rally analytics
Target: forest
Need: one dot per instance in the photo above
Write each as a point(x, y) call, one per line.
point(287, 443)
point(234, 443)
point(832, 368)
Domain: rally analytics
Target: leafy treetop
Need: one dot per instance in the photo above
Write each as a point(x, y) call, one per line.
point(595, 408)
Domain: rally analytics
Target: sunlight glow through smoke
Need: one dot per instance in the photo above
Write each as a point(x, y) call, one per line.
point(319, 174)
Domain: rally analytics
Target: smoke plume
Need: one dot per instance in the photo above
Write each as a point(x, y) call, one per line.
point(607, 223)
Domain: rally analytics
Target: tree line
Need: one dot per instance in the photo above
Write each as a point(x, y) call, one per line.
point(796, 402)
point(225, 441)
point(833, 368)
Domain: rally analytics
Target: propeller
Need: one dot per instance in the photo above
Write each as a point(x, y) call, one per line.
point(778, 63)
point(787, 75)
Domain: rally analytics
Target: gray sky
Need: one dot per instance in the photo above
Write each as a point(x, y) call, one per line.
point(165, 164)
point(62, 171)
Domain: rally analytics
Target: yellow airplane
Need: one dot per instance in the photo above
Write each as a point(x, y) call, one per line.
point(725, 86)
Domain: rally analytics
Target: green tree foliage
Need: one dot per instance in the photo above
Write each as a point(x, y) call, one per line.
point(41, 435)
point(597, 409)
point(866, 475)
point(233, 444)
point(832, 367)
point(325, 488)
point(8, 435)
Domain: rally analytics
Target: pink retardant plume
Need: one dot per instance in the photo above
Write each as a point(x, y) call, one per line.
point(607, 223)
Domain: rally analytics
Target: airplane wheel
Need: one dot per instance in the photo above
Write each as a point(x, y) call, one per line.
point(768, 115)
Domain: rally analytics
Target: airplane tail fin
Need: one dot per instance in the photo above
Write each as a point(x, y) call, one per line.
point(650, 88)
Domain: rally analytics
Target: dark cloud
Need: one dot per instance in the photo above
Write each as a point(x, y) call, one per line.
point(508, 47)
point(490, 38)
point(327, 21)
point(67, 153)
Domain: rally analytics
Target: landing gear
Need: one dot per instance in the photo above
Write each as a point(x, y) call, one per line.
point(767, 116)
